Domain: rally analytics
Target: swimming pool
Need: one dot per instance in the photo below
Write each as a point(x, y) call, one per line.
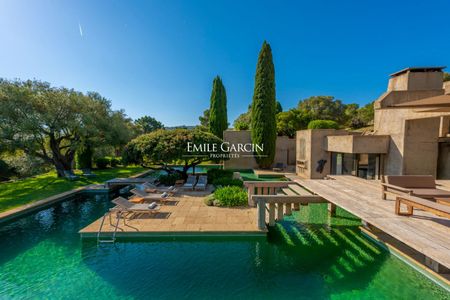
point(42, 256)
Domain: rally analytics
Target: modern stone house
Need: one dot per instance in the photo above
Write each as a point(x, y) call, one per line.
point(410, 135)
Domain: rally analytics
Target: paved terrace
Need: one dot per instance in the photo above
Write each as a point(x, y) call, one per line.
point(185, 215)
point(424, 232)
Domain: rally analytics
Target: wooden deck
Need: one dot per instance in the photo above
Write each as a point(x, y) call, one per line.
point(424, 232)
point(186, 215)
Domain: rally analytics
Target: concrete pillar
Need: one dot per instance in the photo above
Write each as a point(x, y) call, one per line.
point(332, 209)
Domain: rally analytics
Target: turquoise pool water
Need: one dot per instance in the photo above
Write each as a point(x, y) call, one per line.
point(42, 257)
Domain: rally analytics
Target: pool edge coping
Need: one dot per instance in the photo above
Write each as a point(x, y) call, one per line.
point(14, 213)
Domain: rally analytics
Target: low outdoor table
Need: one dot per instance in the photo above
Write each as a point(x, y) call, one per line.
point(136, 200)
point(179, 182)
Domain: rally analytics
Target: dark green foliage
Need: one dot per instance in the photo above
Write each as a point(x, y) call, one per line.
point(231, 196)
point(323, 124)
point(5, 171)
point(52, 124)
point(288, 122)
point(148, 124)
point(218, 120)
point(323, 108)
point(84, 158)
point(115, 162)
point(279, 108)
point(446, 76)
point(102, 162)
point(169, 179)
point(263, 121)
point(243, 121)
point(214, 174)
point(165, 147)
point(204, 119)
point(224, 181)
point(25, 165)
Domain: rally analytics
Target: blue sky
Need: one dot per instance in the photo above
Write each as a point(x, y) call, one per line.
point(159, 58)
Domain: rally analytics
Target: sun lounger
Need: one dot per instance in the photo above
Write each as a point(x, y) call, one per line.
point(151, 188)
point(124, 205)
point(412, 202)
point(423, 186)
point(202, 182)
point(70, 175)
point(190, 182)
point(88, 173)
point(164, 197)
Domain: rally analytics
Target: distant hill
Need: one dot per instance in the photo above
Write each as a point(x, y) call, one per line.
point(180, 126)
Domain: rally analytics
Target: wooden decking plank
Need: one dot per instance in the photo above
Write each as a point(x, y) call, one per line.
point(288, 191)
point(425, 232)
point(299, 190)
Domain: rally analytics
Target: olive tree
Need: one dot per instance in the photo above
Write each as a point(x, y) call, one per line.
point(162, 148)
point(53, 123)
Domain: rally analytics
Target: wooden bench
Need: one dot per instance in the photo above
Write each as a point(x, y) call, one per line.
point(412, 202)
point(422, 186)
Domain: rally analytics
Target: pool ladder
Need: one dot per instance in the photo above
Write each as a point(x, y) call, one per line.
point(113, 237)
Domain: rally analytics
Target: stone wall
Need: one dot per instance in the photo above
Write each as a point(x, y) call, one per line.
point(392, 122)
point(311, 149)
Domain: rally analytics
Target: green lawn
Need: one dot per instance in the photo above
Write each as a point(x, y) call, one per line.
point(13, 194)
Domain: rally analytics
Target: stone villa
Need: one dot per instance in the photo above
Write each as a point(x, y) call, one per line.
point(411, 135)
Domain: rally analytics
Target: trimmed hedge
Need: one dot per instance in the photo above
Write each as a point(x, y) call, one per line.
point(115, 162)
point(214, 174)
point(323, 124)
point(230, 196)
point(224, 181)
point(84, 158)
point(102, 162)
point(169, 179)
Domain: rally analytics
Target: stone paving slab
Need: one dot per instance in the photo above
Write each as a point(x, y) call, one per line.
point(187, 214)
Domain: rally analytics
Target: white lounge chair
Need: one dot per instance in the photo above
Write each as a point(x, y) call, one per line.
point(124, 205)
point(151, 188)
point(202, 182)
point(190, 182)
point(164, 197)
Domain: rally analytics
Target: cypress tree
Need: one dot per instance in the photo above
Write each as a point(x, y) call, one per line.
point(218, 120)
point(263, 121)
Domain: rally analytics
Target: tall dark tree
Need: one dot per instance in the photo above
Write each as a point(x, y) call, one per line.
point(218, 120)
point(263, 121)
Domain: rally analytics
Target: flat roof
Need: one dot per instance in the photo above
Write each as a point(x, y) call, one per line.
point(418, 69)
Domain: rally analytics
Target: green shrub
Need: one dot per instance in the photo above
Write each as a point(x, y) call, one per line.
point(84, 158)
point(323, 124)
point(209, 200)
point(231, 196)
point(25, 165)
point(5, 171)
point(213, 174)
point(169, 179)
point(102, 162)
point(225, 181)
point(115, 162)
